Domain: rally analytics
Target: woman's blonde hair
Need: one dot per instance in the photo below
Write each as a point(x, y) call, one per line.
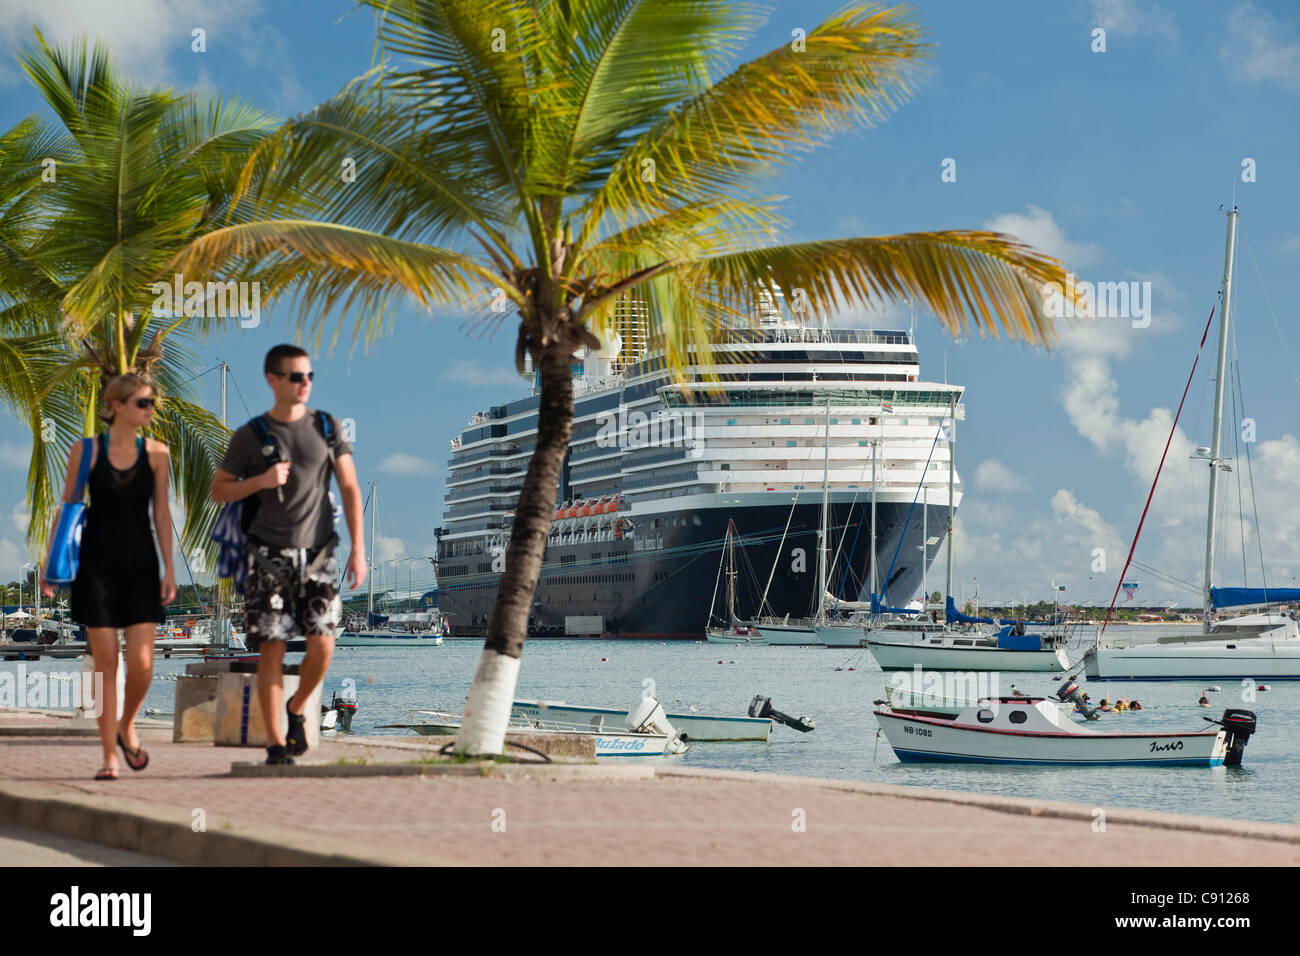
point(119, 389)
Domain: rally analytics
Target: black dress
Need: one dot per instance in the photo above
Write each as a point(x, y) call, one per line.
point(117, 582)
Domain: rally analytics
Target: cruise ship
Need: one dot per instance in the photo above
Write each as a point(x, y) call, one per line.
point(657, 467)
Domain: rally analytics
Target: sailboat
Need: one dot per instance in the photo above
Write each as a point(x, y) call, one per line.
point(819, 629)
point(423, 629)
point(735, 631)
point(1252, 646)
point(961, 642)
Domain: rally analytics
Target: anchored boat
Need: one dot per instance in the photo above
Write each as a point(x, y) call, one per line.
point(647, 732)
point(1039, 730)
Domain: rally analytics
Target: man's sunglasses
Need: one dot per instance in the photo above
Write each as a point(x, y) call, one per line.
point(145, 402)
point(296, 377)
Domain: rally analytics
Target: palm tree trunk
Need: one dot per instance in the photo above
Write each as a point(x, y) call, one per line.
point(487, 710)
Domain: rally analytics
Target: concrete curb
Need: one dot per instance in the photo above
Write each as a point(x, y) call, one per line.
point(497, 771)
point(129, 826)
point(1218, 826)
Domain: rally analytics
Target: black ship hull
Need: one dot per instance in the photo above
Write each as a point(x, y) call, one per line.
point(660, 582)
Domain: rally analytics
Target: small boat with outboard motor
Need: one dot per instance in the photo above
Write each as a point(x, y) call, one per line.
point(647, 732)
point(1039, 730)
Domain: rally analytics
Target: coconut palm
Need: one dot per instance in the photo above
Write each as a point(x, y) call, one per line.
point(92, 210)
point(557, 156)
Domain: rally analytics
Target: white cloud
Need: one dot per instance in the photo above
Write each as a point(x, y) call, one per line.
point(1133, 18)
point(1259, 47)
point(992, 475)
point(1039, 229)
point(387, 548)
point(12, 557)
point(472, 373)
point(146, 36)
point(401, 463)
point(21, 517)
point(1292, 244)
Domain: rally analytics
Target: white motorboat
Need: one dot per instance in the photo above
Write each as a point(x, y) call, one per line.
point(692, 726)
point(736, 634)
point(388, 637)
point(417, 629)
point(1253, 646)
point(647, 731)
point(1037, 730)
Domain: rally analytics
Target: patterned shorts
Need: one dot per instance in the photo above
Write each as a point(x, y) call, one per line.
point(286, 604)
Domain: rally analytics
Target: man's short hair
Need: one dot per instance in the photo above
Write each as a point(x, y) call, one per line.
point(279, 354)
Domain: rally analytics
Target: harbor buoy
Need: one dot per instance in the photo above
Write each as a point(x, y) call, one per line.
point(604, 658)
point(1213, 687)
point(1264, 687)
point(839, 668)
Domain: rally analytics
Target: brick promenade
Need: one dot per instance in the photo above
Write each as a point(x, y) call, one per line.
point(648, 815)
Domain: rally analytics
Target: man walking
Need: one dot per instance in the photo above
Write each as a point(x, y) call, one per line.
point(283, 459)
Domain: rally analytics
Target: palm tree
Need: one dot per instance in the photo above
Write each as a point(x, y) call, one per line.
point(561, 155)
point(92, 210)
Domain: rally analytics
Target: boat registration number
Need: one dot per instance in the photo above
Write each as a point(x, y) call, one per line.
point(919, 731)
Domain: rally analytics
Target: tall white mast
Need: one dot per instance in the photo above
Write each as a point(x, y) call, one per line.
point(952, 455)
point(374, 520)
point(1224, 320)
point(875, 448)
point(925, 545)
point(821, 555)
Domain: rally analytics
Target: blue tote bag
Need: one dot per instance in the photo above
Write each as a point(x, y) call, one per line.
point(65, 546)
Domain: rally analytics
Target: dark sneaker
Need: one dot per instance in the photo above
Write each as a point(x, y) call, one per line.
point(278, 755)
point(295, 738)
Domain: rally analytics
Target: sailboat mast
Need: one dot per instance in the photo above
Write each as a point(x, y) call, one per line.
point(875, 450)
point(821, 553)
point(1224, 321)
point(952, 458)
point(925, 547)
point(731, 574)
point(374, 520)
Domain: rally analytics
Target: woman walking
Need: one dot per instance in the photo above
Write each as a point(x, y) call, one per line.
point(117, 584)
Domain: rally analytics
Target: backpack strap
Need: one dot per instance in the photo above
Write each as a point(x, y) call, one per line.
point(325, 425)
point(265, 439)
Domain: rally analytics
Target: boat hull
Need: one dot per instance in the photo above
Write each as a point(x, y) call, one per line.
point(379, 639)
point(921, 739)
point(653, 589)
point(829, 636)
point(904, 656)
point(789, 635)
point(693, 727)
point(1226, 660)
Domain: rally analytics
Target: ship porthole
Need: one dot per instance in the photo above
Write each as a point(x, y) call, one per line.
point(1017, 716)
point(985, 716)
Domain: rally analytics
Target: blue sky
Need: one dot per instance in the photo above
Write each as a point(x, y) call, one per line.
point(1116, 161)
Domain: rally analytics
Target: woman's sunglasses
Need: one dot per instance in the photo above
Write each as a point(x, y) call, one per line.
point(297, 377)
point(145, 402)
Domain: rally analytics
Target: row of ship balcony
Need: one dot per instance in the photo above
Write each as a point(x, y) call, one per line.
point(489, 515)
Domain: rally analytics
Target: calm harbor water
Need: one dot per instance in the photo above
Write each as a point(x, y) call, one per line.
point(804, 681)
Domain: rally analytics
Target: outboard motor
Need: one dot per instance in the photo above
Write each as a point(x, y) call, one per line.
point(1239, 724)
point(346, 707)
point(1069, 694)
point(761, 706)
point(648, 717)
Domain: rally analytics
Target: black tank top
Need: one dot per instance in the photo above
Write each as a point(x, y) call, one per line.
point(117, 535)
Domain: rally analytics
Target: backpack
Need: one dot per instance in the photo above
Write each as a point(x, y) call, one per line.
point(230, 531)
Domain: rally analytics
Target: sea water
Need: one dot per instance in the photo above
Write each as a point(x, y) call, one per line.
point(836, 688)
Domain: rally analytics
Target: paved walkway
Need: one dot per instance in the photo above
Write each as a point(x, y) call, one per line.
point(187, 807)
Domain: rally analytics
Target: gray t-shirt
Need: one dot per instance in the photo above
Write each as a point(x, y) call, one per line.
point(304, 519)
